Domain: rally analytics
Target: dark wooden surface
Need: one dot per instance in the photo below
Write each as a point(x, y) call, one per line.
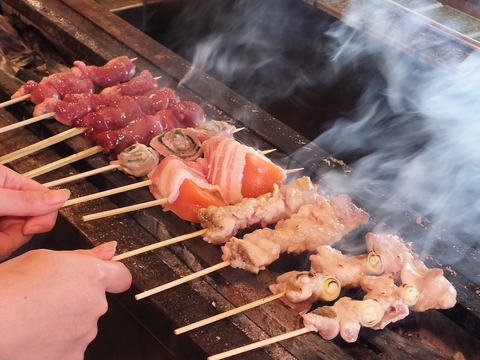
point(84, 30)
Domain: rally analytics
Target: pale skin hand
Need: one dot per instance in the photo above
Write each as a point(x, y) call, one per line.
point(26, 208)
point(51, 300)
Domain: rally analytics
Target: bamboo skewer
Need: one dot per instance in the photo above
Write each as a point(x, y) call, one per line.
point(14, 101)
point(81, 175)
point(228, 313)
point(107, 193)
point(124, 209)
point(41, 145)
point(182, 280)
point(159, 244)
point(259, 344)
point(26, 122)
point(62, 162)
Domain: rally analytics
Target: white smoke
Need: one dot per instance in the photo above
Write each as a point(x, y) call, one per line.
point(412, 135)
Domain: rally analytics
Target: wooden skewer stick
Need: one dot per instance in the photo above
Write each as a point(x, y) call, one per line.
point(182, 280)
point(228, 313)
point(159, 244)
point(124, 209)
point(265, 152)
point(259, 344)
point(291, 171)
point(16, 100)
point(26, 122)
point(81, 175)
point(41, 145)
point(107, 193)
point(62, 162)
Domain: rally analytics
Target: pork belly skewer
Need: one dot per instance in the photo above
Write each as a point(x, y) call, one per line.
point(325, 222)
point(255, 173)
point(184, 207)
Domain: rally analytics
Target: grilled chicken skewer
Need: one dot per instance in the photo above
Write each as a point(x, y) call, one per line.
point(322, 223)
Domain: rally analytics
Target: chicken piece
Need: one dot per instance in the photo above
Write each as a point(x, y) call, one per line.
point(393, 251)
point(383, 289)
point(224, 222)
point(345, 317)
point(349, 270)
point(303, 288)
point(435, 291)
point(113, 72)
point(137, 160)
point(312, 226)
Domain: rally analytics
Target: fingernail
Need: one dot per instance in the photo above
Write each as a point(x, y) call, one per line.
point(107, 247)
point(34, 229)
point(54, 197)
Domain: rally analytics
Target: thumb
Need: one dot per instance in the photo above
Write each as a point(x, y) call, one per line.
point(104, 251)
point(31, 203)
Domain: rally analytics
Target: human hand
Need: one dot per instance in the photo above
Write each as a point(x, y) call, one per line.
point(51, 300)
point(26, 208)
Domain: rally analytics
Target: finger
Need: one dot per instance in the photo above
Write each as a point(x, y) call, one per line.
point(11, 236)
point(10, 179)
point(31, 203)
point(104, 251)
point(40, 224)
point(117, 276)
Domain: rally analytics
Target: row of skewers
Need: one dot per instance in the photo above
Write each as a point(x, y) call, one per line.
point(206, 176)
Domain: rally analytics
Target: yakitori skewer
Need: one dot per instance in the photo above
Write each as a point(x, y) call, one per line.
point(300, 191)
point(122, 66)
point(126, 209)
point(40, 145)
point(298, 287)
point(301, 232)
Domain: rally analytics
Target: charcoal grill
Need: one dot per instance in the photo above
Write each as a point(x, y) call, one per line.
point(82, 29)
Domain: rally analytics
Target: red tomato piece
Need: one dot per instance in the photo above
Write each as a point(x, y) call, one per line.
point(259, 176)
point(192, 198)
